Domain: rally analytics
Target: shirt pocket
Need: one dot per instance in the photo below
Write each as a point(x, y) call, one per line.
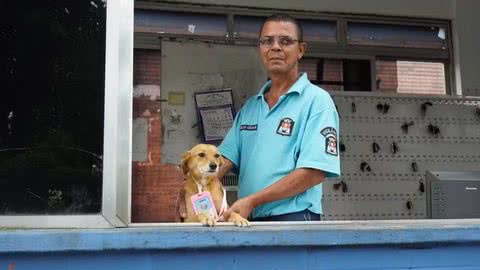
point(284, 134)
point(248, 133)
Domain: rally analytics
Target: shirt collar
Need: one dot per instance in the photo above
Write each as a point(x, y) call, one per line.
point(297, 87)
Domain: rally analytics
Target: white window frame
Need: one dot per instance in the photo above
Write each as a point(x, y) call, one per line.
point(117, 133)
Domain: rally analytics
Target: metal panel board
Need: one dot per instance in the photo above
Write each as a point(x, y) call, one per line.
point(382, 192)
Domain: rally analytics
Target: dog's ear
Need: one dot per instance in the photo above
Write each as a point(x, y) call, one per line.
point(185, 158)
point(222, 161)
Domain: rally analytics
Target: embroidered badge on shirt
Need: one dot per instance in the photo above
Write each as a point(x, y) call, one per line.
point(285, 127)
point(248, 127)
point(330, 140)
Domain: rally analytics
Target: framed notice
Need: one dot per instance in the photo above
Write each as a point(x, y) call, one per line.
point(215, 112)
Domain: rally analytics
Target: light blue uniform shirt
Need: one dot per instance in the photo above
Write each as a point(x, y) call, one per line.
point(300, 131)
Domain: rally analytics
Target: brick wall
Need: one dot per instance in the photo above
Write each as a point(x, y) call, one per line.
point(333, 71)
point(309, 66)
point(146, 66)
point(387, 79)
point(154, 185)
point(411, 77)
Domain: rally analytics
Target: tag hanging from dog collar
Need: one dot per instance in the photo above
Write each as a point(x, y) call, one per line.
point(203, 203)
point(224, 206)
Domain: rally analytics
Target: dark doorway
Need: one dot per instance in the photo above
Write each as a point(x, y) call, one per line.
point(357, 75)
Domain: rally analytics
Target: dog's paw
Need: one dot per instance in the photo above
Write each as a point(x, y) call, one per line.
point(206, 220)
point(238, 220)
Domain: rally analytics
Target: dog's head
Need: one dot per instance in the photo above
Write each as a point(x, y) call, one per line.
point(202, 161)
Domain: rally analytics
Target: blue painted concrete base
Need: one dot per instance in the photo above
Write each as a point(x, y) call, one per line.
point(433, 257)
point(394, 245)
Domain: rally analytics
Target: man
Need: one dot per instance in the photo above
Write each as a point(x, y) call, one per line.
point(283, 140)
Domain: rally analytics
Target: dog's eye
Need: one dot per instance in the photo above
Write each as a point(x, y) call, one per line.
point(217, 155)
point(201, 154)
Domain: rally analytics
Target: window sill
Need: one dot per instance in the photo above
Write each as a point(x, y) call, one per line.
point(180, 236)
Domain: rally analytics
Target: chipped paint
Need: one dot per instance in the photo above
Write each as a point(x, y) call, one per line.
point(147, 90)
point(150, 121)
point(146, 113)
point(147, 163)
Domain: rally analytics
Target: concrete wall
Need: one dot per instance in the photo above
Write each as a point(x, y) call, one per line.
point(191, 67)
point(468, 45)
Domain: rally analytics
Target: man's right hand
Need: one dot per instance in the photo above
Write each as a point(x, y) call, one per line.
point(243, 207)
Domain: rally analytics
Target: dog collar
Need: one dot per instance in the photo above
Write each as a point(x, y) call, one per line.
point(199, 186)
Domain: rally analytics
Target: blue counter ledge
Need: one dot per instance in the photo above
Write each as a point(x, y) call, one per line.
point(318, 234)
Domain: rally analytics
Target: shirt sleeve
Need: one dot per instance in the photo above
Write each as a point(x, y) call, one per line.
point(318, 147)
point(230, 146)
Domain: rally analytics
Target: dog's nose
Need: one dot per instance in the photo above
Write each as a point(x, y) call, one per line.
point(213, 166)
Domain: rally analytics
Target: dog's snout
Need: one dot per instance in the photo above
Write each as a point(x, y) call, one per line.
point(213, 166)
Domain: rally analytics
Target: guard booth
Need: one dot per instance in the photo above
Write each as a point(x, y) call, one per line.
point(99, 112)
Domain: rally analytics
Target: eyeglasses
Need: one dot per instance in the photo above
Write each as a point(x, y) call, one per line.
point(283, 41)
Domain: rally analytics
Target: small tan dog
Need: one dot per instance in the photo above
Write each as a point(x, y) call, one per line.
point(201, 165)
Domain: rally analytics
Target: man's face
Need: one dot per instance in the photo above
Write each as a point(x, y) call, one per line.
point(281, 55)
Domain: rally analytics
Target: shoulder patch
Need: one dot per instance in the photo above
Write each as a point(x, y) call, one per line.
point(330, 135)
